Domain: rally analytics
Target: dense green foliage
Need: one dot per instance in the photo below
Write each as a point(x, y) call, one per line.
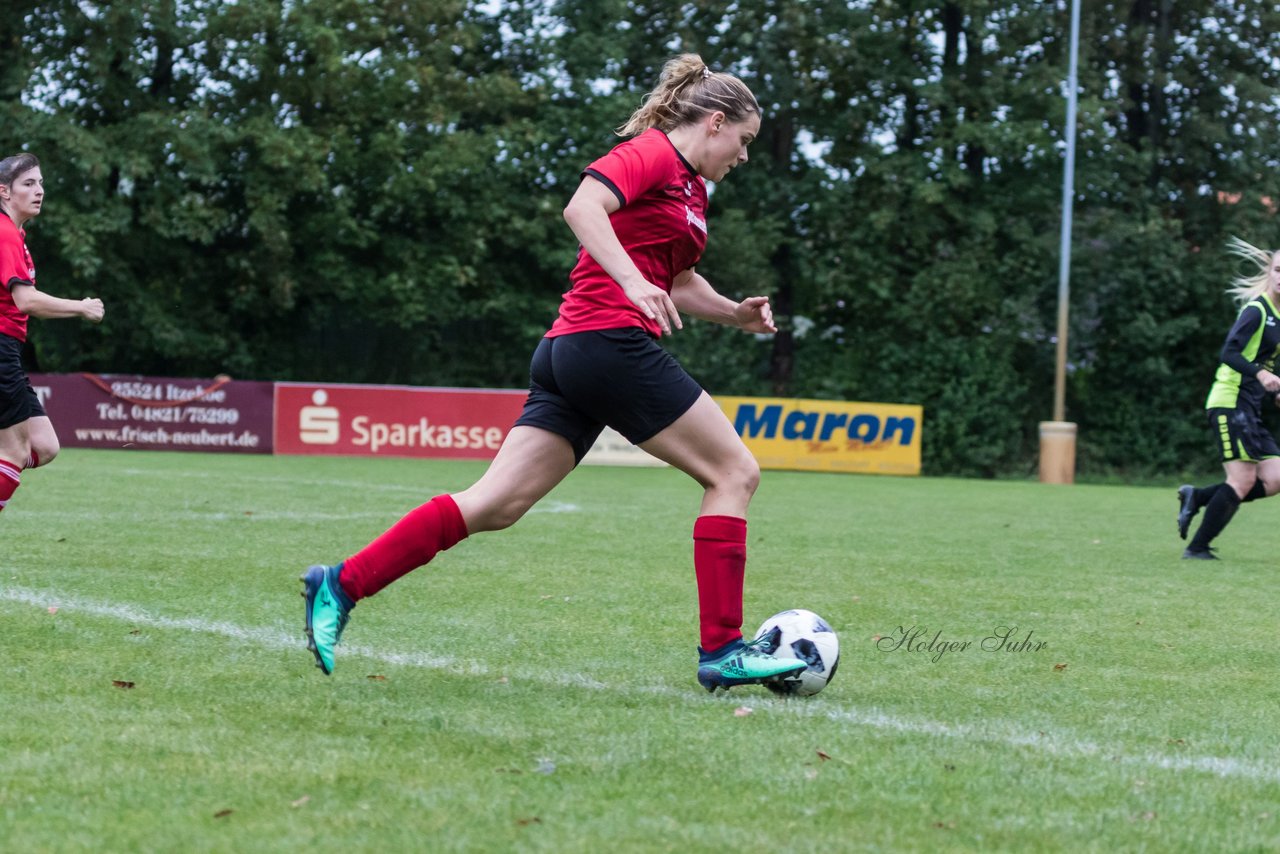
point(336, 190)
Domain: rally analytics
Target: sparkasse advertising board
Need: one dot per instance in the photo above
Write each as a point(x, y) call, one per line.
point(393, 421)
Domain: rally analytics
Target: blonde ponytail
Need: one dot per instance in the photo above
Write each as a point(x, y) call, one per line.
point(1245, 288)
point(687, 90)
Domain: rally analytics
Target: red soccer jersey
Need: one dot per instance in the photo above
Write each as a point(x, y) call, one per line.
point(662, 225)
point(15, 266)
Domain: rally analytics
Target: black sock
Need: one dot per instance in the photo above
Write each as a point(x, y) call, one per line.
point(1259, 491)
point(1204, 494)
point(1221, 508)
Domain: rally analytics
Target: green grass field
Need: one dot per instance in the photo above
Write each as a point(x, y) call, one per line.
point(533, 690)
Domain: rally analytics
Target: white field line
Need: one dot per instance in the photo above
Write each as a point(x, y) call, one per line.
point(361, 487)
point(189, 515)
point(158, 516)
point(1056, 745)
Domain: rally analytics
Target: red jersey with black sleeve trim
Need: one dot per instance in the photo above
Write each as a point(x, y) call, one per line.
point(662, 225)
point(16, 269)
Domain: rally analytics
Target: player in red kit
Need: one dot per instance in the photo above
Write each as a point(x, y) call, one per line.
point(27, 437)
point(640, 216)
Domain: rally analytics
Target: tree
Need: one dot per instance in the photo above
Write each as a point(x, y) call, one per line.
point(282, 191)
point(339, 190)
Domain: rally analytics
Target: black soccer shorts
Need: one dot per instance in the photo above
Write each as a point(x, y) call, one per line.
point(582, 382)
point(18, 401)
point(1241, 435)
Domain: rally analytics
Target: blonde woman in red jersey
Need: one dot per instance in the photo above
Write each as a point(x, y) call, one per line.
point(640, 216)
point(27, 437)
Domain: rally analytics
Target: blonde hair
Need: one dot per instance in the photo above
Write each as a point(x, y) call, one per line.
point(687, 90)
point(1245, 288)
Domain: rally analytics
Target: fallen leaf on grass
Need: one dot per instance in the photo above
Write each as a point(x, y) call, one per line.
point(945, 825)
point(742, 711)
point(1059, 667)
point(120, 683)
point(223, 813)
point(523, 822)
point(1177, 741)
point(376, 677)
point(300, 801)
point(823, 755)
point(135, 631)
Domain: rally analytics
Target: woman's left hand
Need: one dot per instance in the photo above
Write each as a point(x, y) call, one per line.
point(754, 315)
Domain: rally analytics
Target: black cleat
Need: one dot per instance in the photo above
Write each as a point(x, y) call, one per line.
point(1187, 508)
point(1199, 554)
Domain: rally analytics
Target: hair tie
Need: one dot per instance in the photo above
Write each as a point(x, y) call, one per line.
point(706, 72)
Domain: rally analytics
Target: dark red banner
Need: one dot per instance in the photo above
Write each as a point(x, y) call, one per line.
point(157, 413)
point(398, 421)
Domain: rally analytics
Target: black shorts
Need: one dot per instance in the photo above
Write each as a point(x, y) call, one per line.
point(18, 401)
point(1241, 435)
point(621, 378)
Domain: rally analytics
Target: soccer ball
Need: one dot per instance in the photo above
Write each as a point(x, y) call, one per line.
point(806, 636)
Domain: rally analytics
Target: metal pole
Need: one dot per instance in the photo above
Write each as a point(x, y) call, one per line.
point(1068, 196)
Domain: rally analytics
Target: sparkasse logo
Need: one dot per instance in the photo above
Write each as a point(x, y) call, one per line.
point(318, 424)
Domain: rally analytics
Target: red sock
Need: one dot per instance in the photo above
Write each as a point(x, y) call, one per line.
point(406, 545)
point(719, 561)
point(33, 460)
point(10, 478)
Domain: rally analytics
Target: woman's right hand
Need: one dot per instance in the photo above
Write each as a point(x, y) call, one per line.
point(91, 309)
point(657, 305)
point(1269, 381)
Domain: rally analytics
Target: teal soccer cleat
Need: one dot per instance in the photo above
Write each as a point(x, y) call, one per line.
point(328, 608)
point(741, 663)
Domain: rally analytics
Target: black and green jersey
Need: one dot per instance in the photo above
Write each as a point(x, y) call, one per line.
point(1251, 346)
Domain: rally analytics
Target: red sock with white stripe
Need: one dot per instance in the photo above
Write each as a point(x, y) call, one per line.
point(10, 479)
point(33, 460)
point(720, 563)
point(413, 541)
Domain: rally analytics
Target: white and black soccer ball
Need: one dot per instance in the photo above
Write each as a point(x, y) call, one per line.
point(804, 635)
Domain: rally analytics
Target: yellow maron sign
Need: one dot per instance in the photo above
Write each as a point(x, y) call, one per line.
point(828, 435)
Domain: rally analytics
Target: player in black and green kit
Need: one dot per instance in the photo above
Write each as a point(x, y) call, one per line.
point(1245, 377)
